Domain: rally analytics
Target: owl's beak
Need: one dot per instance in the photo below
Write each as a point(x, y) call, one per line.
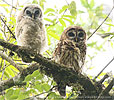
point(76, 39)
point(33, 16)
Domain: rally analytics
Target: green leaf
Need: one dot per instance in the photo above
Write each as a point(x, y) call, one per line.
point(49, 10)
point(109, 24)
point(17, 91)
point(69, 16)
point(35, 1)
point(4, 5)
point(49, 20)
point(84, 3)
point(63, 9)
point(80, 12)
point(41, 3)
point(6, 74)
point(22, 96)
point(46, 87)
point(92, 44)
point(51, 14)
point(62, 22)
point(13, 68)
point(72, 8)
point(9, 93)
point(39, 87)
point(55, 96)
point(6, 9)
point(35, 73)
point(92, 3)
point(73, 12)
point(49, 40)
point(59, 29)
point(39, 77)
point(28, 78)
point(31, 91)
point(52, 34)
point(13, 97)
point(69, 20)
point(112, 45)
point(10, 72)
point(2, 98)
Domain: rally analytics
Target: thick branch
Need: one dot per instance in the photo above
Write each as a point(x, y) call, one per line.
point(50, 68)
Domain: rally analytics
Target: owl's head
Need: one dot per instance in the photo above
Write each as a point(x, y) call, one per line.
point(74, 34)
point(32, 11)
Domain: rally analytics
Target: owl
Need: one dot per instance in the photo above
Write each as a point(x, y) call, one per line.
point(30, 30)
point(71, 51)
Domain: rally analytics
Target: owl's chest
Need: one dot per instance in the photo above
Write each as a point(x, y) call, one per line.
point(28, 26)
point(68, 57)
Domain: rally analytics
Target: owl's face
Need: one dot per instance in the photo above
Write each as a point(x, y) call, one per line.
point(74, 34)
point(33, 12)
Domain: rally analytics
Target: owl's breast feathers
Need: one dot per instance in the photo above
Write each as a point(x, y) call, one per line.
point(69, 54)
point(32, 34)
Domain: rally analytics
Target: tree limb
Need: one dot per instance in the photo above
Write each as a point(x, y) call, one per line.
point(4, 56)
point(105, 92)
point(50, 68)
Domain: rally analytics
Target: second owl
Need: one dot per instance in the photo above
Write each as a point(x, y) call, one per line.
point(71, 51)
point(30, 31)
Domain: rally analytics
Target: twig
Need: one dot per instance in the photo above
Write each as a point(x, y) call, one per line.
point(103, 79)
point(106, 91)
point(7, 27)
point(109, 87)
point(4, 56)
point(39, 94)
point(49, 92)
point(101, 23)
point(61, 15)
point(9, 4)
point(3, 71)
point(67, 2)
point(104, 67)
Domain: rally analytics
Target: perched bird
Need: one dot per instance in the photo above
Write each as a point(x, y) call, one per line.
point(70, 51)
point(30, 31)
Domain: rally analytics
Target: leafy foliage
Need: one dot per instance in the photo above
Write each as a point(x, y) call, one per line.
point(56, 20)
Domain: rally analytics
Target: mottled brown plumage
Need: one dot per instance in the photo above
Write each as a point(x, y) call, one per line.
point(71, 51)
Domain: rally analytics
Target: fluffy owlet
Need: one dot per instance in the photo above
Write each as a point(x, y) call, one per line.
point(71, 51)
point(30, 31)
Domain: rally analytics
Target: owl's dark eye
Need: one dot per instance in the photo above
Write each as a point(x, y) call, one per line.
point(81, 34)
point(37, 12)
point(71, 34)
point(28, 13)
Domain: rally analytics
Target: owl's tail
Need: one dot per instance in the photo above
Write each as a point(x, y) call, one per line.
point(61, 88)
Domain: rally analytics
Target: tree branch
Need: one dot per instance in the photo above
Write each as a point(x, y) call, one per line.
point(104, 67)
point(105, 92)
point(7, 27)
point(9, 4)
point(4, 56)
point(50, 68)
point(101, 23)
